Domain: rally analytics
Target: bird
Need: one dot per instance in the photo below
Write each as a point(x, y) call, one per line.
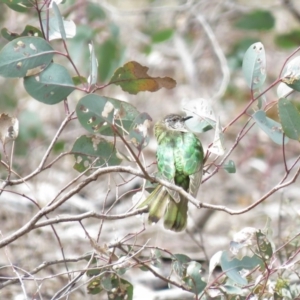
point(180, 161)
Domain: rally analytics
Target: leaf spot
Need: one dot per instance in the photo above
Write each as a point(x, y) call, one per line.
point(21, 44)
point(97, 127)
point(91, 120)
point(32, 47)
point(83, 109)
point(35, 70)
point(96, 141)
point(108, 108)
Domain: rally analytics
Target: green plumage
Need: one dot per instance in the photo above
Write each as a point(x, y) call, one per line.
point(180, 161)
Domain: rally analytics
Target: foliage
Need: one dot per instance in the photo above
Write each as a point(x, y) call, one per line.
point(116, 133)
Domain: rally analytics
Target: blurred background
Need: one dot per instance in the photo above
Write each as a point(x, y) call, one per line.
point(201, 45)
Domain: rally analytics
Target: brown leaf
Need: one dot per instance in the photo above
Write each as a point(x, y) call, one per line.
point(133, 78)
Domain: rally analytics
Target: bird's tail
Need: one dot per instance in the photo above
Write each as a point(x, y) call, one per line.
point(175, 217)
point(156, 202)
point(161, 204)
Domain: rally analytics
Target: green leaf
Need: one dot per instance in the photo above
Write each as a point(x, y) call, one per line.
point(139, 130)
point(121, 289)
point(256, 20)
point(110, 53)
point(97, 113)
point(51, 86)
point(18, 5)
point(28, 31)
point(290, 118)
point(180, 263)
point(25, 56)
point(9, 35)
point(229, 167)
point(93, 66)
point(193, 278)
point(162, 35)
point(59, 20)
point(94, 286)
point(133, 78)
point(24, 3)
point(234, 266)
point(272, 128)
point(77, 80)
point(93, 272)
point(12, 1)
point(254, 66)
point(291, 73)
point(87, 149)
point(265, 247)
point(106, 281)
point(57, 29)
point(288, 40)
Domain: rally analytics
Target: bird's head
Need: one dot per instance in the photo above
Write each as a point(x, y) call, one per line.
point(175, 122)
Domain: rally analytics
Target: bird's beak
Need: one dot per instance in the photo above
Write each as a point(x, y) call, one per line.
point(187, 118)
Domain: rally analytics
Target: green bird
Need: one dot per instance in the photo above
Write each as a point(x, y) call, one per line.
point(180, 161)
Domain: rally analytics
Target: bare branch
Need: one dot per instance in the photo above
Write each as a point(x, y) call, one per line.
point(90, 214)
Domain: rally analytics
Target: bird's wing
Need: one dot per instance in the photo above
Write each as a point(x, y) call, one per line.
point(195, 181)
point(166, 166)
point(193, 157)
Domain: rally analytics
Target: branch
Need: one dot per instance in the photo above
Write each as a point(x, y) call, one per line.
point(31, 224)
point(219, 53)
point(41, 166)
point(90, 214)
point(41, 267)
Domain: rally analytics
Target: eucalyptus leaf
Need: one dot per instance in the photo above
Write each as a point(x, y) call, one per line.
point(50, 86)
point(59, 20)
point(179, 265)
point(272, 128)
point(25, 56)
point(122, 289)
point(290, 118)
point(265, 247)
point(94, 150)
point(254, 66)
point(54, 27)
point(234, 266)
point(97, 114)
point(230, 167)
point(94, 286)
point(93, 65)
point(193, 278)
point(139, 131)
point(291, 74)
